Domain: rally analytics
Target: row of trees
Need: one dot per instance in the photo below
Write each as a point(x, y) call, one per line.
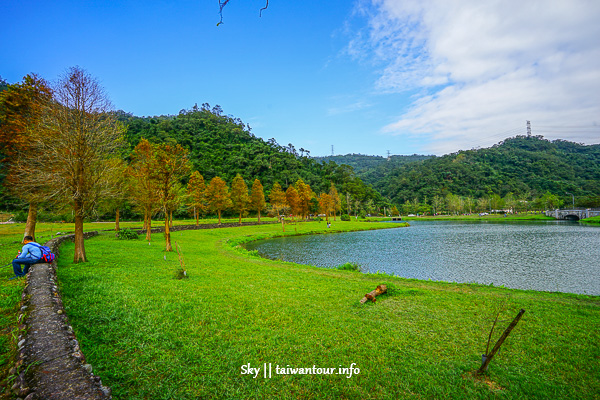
point(298, 199)
point(64, 148)
point(153, 182)
point(455, 204)
point(220, 145)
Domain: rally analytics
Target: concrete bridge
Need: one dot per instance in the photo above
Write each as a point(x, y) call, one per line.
point(574, 214)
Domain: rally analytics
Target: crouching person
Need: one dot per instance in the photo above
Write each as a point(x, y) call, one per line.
point(31, 253)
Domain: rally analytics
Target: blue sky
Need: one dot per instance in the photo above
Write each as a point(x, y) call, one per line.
point(365, 76)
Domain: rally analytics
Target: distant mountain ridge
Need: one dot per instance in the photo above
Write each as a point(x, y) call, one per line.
point(363, 164)
point(525, 167)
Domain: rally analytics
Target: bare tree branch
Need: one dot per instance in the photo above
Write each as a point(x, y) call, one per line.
point(264, 8)
point(223, 3)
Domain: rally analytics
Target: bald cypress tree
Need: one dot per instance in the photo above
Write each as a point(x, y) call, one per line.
point(217, 196)
point(257, 197)
point(239, 196)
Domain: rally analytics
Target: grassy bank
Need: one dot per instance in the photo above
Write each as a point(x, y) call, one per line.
point(490, 217)
point(592, 220)
point(150, 336)
point(10, 296)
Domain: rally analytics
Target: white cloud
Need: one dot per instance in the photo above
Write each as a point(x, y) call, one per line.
point(479, 68)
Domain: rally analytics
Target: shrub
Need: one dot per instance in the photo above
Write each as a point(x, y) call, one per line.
point(127, 234)
point(345, 217)
point(349, 267)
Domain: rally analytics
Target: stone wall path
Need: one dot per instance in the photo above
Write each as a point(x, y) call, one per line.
point(50, 363)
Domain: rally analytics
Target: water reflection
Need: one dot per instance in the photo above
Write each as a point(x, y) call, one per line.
point(551, 256)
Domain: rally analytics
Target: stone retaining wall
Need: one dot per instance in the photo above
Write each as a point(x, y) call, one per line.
point(50, 364)
point(204, 226)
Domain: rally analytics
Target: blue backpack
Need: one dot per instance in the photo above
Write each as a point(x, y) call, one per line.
point(47, 255)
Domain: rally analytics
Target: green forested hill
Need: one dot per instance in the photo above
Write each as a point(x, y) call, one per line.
point(223, 146)
point(520, 168)
point(525, 167)
point(365, 166)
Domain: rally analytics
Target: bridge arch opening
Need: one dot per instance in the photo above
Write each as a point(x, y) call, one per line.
point(571, 217)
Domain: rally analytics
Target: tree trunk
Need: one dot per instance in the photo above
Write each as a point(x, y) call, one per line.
point(171, 219)
point(259, 216)
point(167, 233)
point(79, 242)
point(219, 212)
point(371, 296)
point(31, 221)
point(197, 216)
point(240, 220)
point(148, 225)
point(117, 219)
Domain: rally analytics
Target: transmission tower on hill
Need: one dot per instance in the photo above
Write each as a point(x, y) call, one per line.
point(528, 129)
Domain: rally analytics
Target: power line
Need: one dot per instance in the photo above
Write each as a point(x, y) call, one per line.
point(569, 126)
point(573, 129)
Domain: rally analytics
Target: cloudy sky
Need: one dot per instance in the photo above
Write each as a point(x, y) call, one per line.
point(366, 76)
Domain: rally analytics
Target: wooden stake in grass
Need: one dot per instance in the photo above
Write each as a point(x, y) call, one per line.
point(488, 357)
point(182, 273)
point(371, 296)
point(500, 310)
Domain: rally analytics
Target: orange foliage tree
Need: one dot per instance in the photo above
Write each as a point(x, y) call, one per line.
point(170, 164)
point(72, 160)
point(305, 195)
point(217, 196)
point(335, 199)
point(293, 200)
point(277, 198)
point(257, 197)
point(142, 189)
point(325, 205)
point(21, 106)
point(196, 191)
point(239, 196)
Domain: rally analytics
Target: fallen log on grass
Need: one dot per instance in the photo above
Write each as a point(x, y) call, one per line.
point(371, 296)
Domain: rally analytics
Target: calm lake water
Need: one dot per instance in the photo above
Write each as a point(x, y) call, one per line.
point(540, 255)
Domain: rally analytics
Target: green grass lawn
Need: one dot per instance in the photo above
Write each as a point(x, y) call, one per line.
point(591, 220)
point(10, 290)
point(151, 336)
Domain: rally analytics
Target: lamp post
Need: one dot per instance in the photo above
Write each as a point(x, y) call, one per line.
point(573, 198)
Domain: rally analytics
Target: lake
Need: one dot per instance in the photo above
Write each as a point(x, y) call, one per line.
point(540, 255)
